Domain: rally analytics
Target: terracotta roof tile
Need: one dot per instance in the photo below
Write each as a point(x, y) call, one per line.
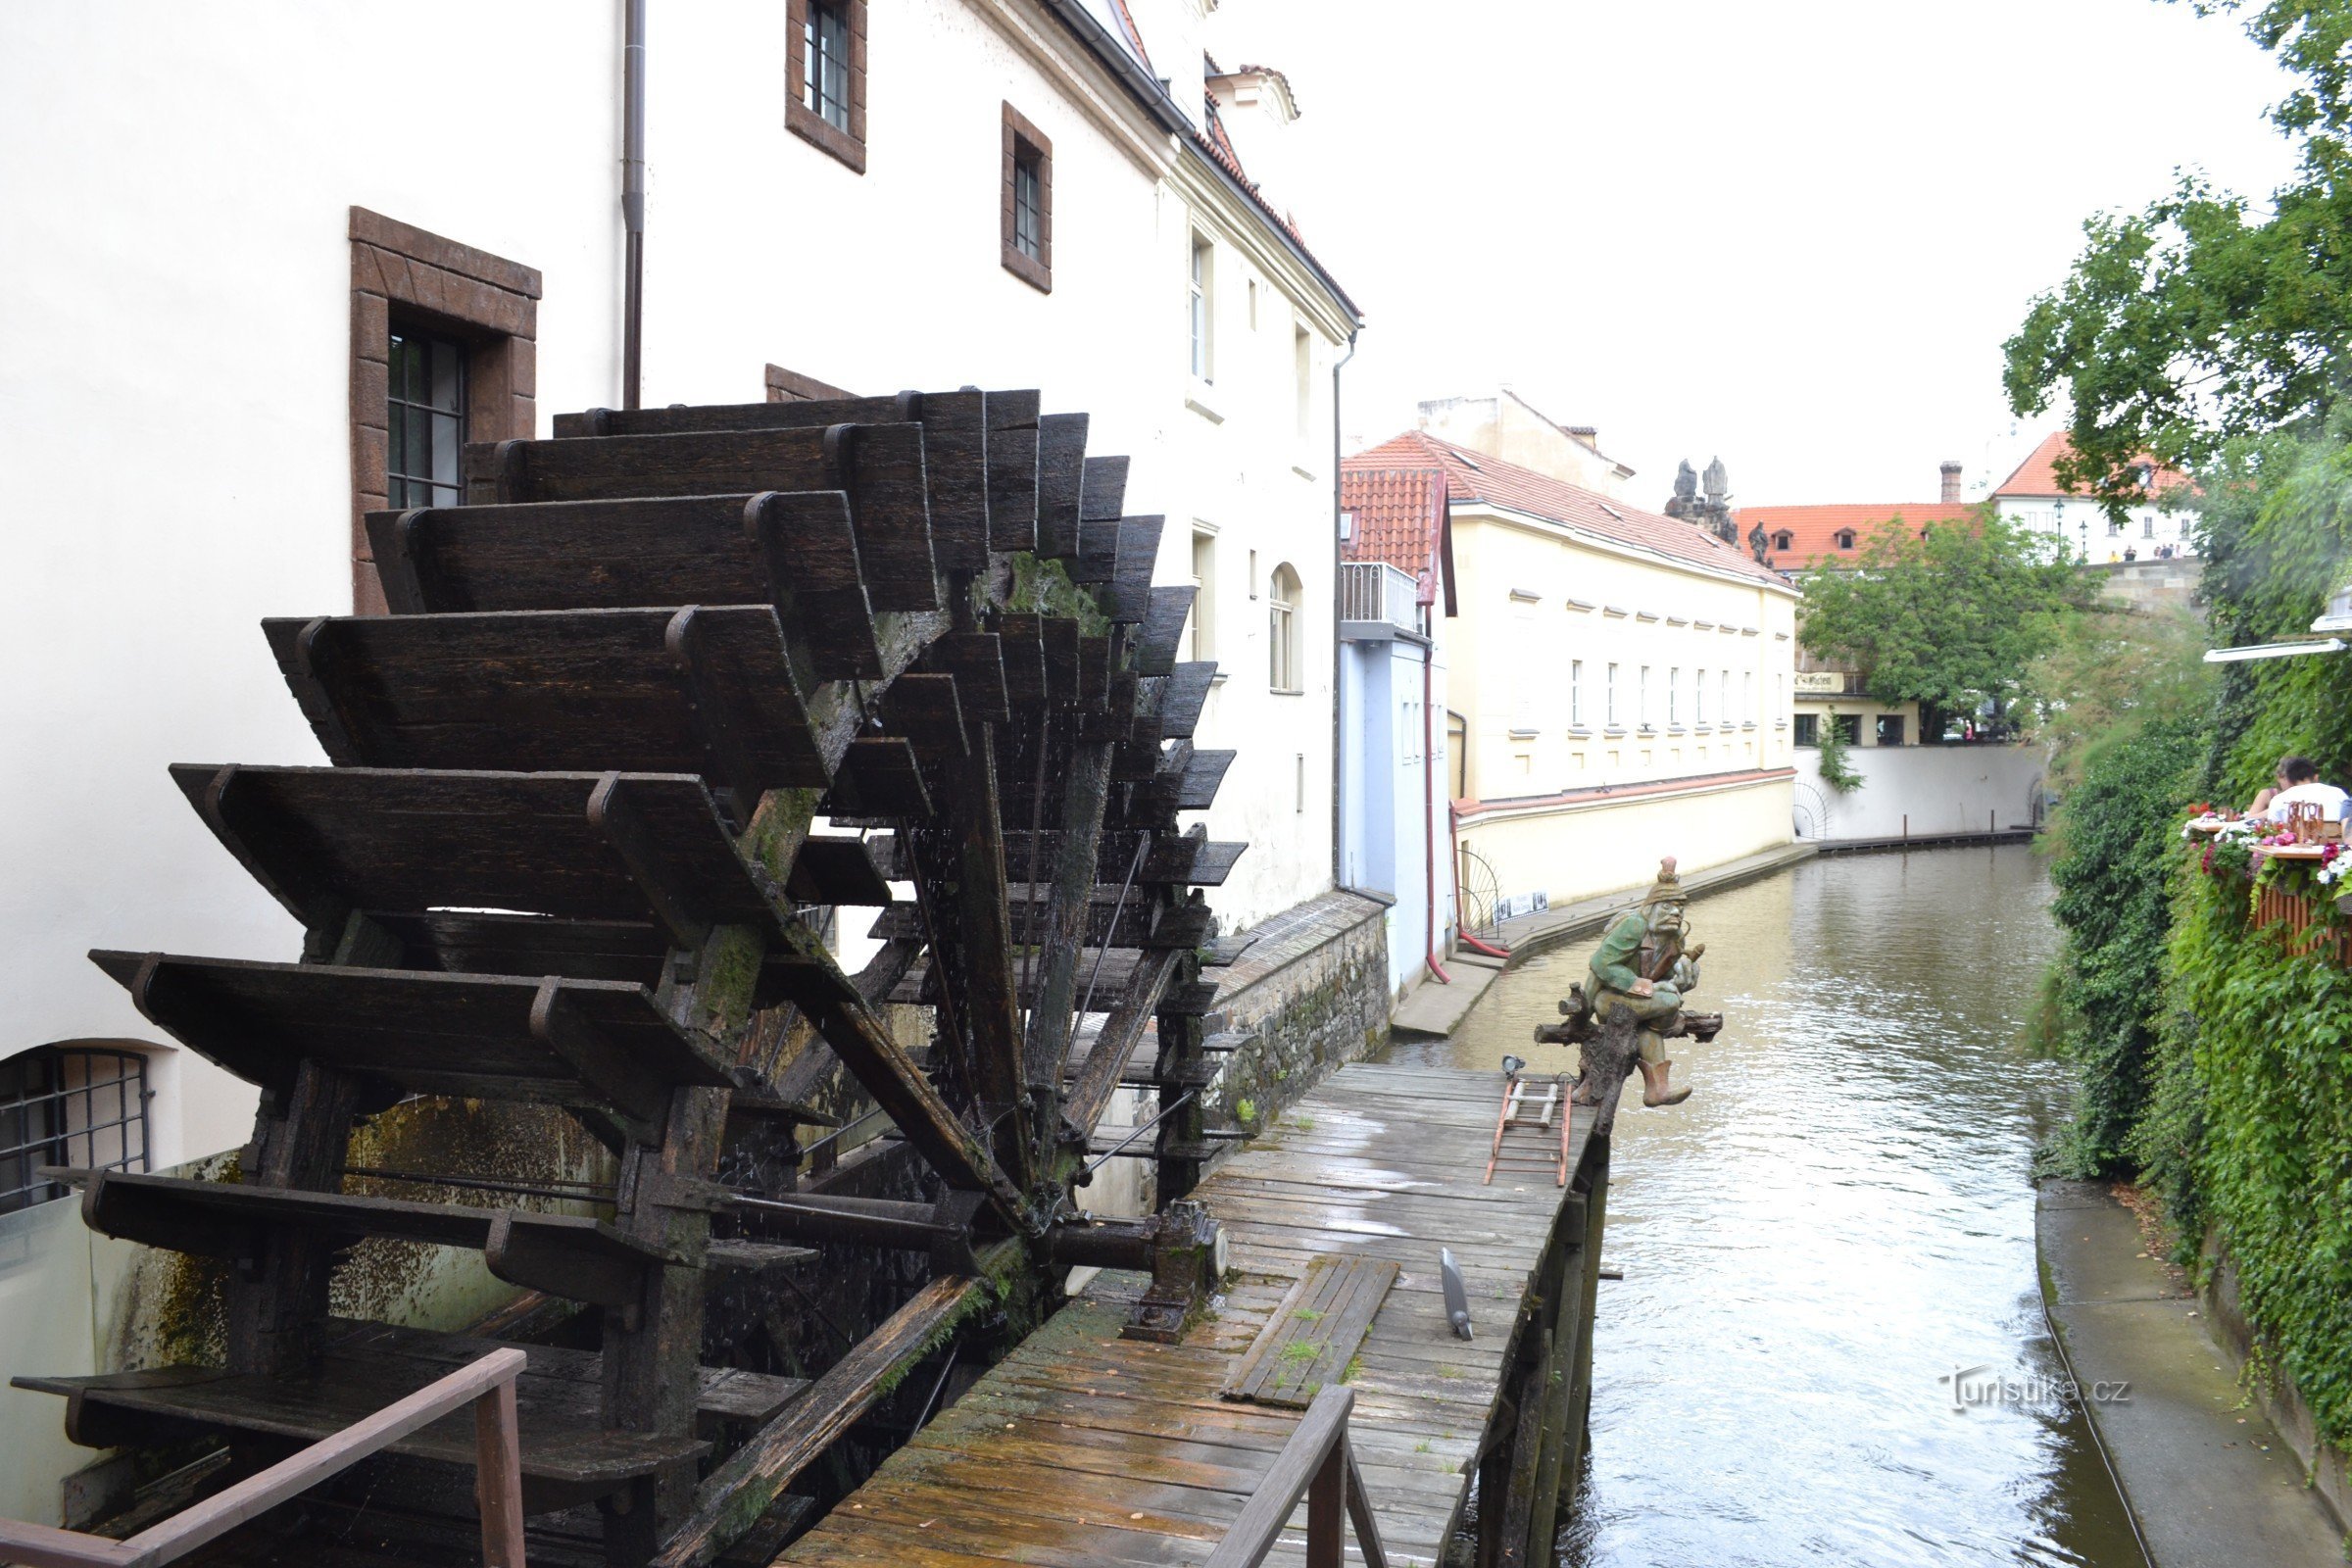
point(1475, 476)
point(1400, 518)
point(1813, 532)
point(2038, 476)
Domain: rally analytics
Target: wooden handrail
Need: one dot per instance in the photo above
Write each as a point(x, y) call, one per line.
point(488, 1384)
point(1319, 1462)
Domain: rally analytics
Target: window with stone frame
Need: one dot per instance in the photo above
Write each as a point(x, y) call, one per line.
point(1026, 202)
point(444, 352)
point(824, 71)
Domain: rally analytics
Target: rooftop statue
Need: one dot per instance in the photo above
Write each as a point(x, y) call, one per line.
point(1685, 482)
point(1630, 1002)
point(1719, 481)
point(1757, 544)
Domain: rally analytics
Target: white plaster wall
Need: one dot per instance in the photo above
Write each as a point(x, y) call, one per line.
point(1600, 846)
point(173, 402)
point(173, 417)
point(1535, 600)
point(1940, 789)
point(2146, 527)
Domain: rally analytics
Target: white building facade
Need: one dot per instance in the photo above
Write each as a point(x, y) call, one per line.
point(2156, 525)
point(252, 289)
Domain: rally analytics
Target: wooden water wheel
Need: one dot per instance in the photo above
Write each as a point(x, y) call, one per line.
point(566, 855)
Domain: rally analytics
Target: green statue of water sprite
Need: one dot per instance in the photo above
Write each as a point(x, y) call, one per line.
point(1639, 979)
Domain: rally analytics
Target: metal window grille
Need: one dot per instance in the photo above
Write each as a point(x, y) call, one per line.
point(426, 417)
point(825, 68)
point(1028, 205)
point(77, 1105)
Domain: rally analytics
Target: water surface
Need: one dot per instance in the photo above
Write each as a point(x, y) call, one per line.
point(1838, 1219)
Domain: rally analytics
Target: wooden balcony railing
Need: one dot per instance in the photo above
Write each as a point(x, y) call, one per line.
point(488, 1384)
point(1318, 1463)
point(2305, 932)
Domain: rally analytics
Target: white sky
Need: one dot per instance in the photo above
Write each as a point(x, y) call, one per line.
point(1791, 234)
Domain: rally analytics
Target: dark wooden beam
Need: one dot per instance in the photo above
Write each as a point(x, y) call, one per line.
point(730, 1502)
point(1099, 1076)
point(1059, 936)
point(879, 1063)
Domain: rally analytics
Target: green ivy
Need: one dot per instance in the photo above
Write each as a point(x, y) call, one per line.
point(1835, 768)
point(2115, 831)
point(2254, 1139)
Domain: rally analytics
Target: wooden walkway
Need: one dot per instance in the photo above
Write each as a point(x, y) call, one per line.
point(1083, 1449)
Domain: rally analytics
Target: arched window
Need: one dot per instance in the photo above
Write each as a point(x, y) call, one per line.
point(1283, 673)
point(1783, 540)
point(1845, 538)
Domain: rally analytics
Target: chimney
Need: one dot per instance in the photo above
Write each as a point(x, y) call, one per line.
point(1951, 484)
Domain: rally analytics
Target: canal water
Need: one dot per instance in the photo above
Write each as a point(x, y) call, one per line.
point(1837, 1223)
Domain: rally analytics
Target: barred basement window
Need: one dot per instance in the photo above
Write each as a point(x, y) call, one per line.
point(81, 1106)
point(425, 415)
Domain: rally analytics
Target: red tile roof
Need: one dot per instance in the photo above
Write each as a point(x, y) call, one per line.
point(1400, 517)
point(1475, 476)
point(1813, 532)
point(2038, 476)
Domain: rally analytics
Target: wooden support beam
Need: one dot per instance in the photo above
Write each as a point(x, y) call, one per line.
point(730, 1502)
point(879, 1063)
point(1058, 939)
point(989, 1007)
point(1099, 1076)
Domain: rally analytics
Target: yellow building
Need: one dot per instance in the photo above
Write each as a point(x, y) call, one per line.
point(1621, 685)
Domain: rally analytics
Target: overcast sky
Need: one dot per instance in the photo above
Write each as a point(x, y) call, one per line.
point(1791, 234)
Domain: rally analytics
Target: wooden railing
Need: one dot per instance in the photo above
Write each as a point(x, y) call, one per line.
point(488, 1384)
point(1318, 1463)
point(2306, 933)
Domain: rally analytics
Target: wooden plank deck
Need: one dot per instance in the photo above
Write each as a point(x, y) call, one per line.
point(1083, 1449)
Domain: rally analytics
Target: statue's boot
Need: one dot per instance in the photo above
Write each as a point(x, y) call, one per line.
point(1655, 1089)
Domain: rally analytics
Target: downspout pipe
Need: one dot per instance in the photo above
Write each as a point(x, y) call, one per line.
point(632, 204)
point(1428, 805)
point(1338, 604)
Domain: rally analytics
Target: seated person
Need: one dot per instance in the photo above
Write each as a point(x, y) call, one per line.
point(2298, 782)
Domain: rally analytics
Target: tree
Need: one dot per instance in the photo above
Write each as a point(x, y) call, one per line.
point(2199, 319)
point(1949, 616)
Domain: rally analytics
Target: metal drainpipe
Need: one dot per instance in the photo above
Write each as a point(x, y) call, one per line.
point(632, 203)
point(1429, 806)
point(1337, 602)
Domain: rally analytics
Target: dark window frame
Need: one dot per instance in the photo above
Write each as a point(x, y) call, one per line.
point(1026, 150)
point(436, 285)
point(424, 419)
point(38, 1099)
point(844, 142)
point(1808, 729)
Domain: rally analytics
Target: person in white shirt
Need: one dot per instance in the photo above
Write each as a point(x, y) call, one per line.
point(2299, 782)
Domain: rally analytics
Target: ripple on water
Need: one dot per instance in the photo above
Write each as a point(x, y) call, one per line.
point(1840, 1218)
